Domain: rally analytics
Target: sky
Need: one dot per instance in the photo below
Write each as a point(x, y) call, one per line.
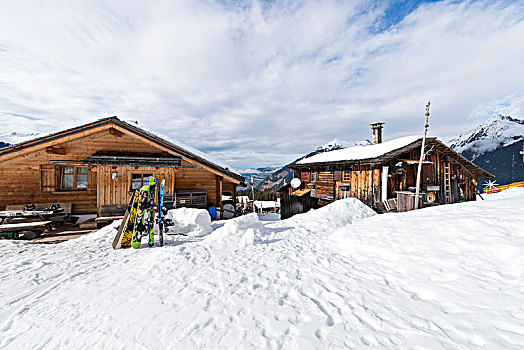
point(259, 83)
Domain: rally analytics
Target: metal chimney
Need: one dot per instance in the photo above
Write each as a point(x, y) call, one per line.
point(377, 132)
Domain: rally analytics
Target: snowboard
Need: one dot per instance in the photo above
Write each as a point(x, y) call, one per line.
point(150, 214)
point(127, 218)
point(139, 224)
point(145, 215)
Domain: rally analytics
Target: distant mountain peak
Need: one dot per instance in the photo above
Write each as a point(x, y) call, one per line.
point(283, 175)
point(337, 143)
point(14, 137)
point(497, 131)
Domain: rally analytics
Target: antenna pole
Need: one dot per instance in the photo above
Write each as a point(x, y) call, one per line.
point(253, 192)
point(419, 171)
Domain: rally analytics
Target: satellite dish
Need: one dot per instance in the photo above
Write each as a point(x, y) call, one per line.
point(295, 183)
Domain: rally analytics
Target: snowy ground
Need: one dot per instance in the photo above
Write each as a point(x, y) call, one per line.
point(340, 277)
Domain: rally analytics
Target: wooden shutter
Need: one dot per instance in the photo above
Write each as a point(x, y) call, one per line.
point(428, 177)
point(49, 177)
point(337, 175)
point(91, 180)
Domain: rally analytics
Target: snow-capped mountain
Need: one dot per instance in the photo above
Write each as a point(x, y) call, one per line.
point(284, 175)
point(498, 131)
point(12, 138)
point(495, 146)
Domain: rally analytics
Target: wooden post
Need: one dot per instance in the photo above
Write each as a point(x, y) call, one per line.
point(219, 191)
point(417, 192)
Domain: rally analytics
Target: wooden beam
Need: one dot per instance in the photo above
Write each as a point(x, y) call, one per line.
point(115, 132)
point(55, 150)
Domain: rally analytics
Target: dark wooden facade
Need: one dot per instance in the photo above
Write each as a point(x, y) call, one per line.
point(61, 168)
point(374, 180)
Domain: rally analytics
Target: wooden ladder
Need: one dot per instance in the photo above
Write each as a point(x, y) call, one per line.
point(447, 182)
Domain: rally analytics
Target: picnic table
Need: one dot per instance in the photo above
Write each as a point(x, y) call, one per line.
point(43, 215)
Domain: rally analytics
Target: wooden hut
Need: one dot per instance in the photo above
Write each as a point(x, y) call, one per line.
point(97, 165)
point(383, 175)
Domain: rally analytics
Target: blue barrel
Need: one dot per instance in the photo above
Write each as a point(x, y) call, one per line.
point(212, 212)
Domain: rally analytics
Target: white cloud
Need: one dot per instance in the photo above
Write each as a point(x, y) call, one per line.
point(259, 83)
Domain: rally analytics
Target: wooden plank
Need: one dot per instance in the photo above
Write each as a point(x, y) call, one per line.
point(55, 150)
point(115, 132)
point(24, 226)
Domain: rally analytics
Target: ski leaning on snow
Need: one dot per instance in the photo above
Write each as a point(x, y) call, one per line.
point(160, 217)
point(128, 218)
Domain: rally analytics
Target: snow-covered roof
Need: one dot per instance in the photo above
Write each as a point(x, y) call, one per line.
point(361, 152)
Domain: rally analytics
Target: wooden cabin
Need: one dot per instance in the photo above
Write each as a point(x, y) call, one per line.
point(97, 166)
point(378, 173)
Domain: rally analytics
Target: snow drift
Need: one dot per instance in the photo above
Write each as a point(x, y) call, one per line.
point(189, 221)
point(337, 214)
point(236, 233)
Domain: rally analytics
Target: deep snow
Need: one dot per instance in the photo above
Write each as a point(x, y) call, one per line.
point(338, 277)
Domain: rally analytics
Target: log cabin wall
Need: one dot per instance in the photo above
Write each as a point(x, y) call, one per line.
point(365, 181)
point(462, 182)
point(34, 177)
point(325, 185)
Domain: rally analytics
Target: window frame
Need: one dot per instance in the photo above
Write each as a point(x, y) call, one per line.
point(142, 183)
point(75, 178)
point(346, 175)
point(314, 176)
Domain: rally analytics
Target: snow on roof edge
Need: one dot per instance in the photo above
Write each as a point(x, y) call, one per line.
point(361, 152)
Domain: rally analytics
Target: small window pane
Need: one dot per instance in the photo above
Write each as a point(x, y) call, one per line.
point(68, 177)
point(136, 182)
point(81, 177)
point(69, 170)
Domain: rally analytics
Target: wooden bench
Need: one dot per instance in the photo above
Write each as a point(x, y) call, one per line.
point(108, 219)
point(33, 229)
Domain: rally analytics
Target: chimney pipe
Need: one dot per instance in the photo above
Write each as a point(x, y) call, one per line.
point(377, 132)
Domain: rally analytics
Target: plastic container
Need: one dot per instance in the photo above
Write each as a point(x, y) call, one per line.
point(212, 212)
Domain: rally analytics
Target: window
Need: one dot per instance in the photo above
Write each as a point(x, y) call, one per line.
point(346, 176)
point(314, 176)
point(344, 191)
point(81, 177)
point(139, 180)
point(73, 178)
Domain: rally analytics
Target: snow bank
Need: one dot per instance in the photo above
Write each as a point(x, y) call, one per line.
point(337, 214)
point(446, 277)
point(190, 221)
point(268, 216)
point(505, 194)
point(236, 233)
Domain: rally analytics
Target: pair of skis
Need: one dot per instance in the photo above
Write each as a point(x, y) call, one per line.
point(140, 217)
